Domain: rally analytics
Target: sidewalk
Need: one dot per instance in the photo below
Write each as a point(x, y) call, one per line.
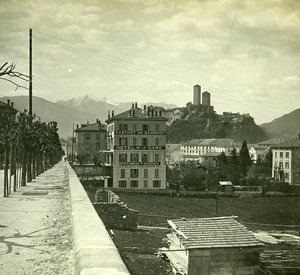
point(36, 226)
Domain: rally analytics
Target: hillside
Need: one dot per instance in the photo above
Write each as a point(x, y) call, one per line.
point(196, 124)
point(286, 126)
point(48, 111)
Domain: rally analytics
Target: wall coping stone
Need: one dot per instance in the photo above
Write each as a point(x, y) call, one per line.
point(95, 252)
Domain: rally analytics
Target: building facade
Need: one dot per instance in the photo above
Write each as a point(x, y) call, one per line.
point(90, 141)
point(199, 149)
point(286, 161)
point(136, 141)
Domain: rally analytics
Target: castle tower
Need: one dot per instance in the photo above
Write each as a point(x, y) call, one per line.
point(206, 98)
point(197, 95)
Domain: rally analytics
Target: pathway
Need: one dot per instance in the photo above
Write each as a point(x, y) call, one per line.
point(35, 226)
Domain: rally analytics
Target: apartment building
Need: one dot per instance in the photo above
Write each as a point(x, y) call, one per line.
point(286, 161)
point(136, 141)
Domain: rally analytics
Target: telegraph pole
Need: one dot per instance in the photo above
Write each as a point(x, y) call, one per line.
point(30, 74)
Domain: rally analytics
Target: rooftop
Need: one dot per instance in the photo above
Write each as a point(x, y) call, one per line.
point(213, 142)
point(291, 143)
point(271, 141)
point(217, 232)
point(94, 127)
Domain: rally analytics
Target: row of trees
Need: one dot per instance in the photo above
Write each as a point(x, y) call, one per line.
point(29, 146)
point(237, 168)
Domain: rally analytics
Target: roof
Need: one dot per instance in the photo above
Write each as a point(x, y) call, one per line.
point(4, 105)
point(291, 143)
point(217, 232)
point(271, 141)
point(139, 114)
point(213, 142)
point(225, 183)
point(95, 127)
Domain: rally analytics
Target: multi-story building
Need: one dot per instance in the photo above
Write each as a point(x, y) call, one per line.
point(136, 141)
point(200, 149)
point(286, 161)
point(90, 140)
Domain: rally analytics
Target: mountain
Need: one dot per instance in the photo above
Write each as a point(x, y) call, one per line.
point(49, 111)
point(100, 107)
point(286, 126)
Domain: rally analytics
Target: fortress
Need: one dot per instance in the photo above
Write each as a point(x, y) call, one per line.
point(204, 106)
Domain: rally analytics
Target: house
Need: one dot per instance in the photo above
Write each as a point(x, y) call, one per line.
point(211, 246)
point(136, 150)
point(286, 161)
point(208, 149)
point(90, 140)
point(7, 108)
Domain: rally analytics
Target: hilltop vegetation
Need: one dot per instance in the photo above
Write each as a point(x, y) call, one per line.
point(196, 123)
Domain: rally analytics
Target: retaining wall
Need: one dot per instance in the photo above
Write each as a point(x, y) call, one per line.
point(95, 252)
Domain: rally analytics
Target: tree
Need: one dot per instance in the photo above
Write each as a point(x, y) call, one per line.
point(234, 171)
point(222, 165)
point(244, 159)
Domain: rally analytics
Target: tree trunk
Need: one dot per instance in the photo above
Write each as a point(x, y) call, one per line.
point(33, 165)
point(24, 168)
point(6, 164)
point(15, 166)
point(29, 166)
point(11, 170)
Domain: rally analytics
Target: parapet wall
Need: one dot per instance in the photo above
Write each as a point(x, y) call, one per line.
point(95, 252)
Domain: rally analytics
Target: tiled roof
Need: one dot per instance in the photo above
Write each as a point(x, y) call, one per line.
point(213, 142)
point(213, 233)
point(91, 128)
point(291, 143)
point(271, 141)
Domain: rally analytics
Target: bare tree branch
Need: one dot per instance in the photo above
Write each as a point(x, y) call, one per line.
point(8, 70)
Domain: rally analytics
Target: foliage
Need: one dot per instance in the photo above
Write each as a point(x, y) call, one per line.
point(244, 159)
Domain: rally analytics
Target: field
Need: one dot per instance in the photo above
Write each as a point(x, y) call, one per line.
point(138, 248)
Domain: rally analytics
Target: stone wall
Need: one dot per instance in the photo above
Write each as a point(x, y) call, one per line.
point(88, 170)
point(117, 215)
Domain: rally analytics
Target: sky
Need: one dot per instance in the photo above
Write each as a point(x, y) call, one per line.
point(245, 53)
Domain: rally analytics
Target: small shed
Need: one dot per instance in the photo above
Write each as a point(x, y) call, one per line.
point(226, 186)
point(212, 246)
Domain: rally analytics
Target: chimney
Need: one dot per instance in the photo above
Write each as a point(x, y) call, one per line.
point(145, 107)
point(135, 104)
point(8, 102)
point(12, 104)
point(132, 106)
point(77, 126)
point(112, 113)
point(97, 120)
point(108, 114)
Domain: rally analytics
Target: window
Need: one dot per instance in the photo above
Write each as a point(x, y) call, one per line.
point(287, 155)
point(122, 183)
point(156, 141)
point(145, 184)
point(145, 158)
point(134, 141)
point(275, 154)
point(280, 165)
point(145, 127)
point(134, 184)
point(87, 136)
point(287, 165)
point(156, 158)
point(134, 173)
point(123, 141)
point(123, 158)
point(122, 173)
point(97, 145)
point(156, 183)
point(281, 154)
point(157, 127)
point(145, 173)
point(144, 141)
point(134, 157)
point(156, 173)
point(123, 127)
point(134, 127)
